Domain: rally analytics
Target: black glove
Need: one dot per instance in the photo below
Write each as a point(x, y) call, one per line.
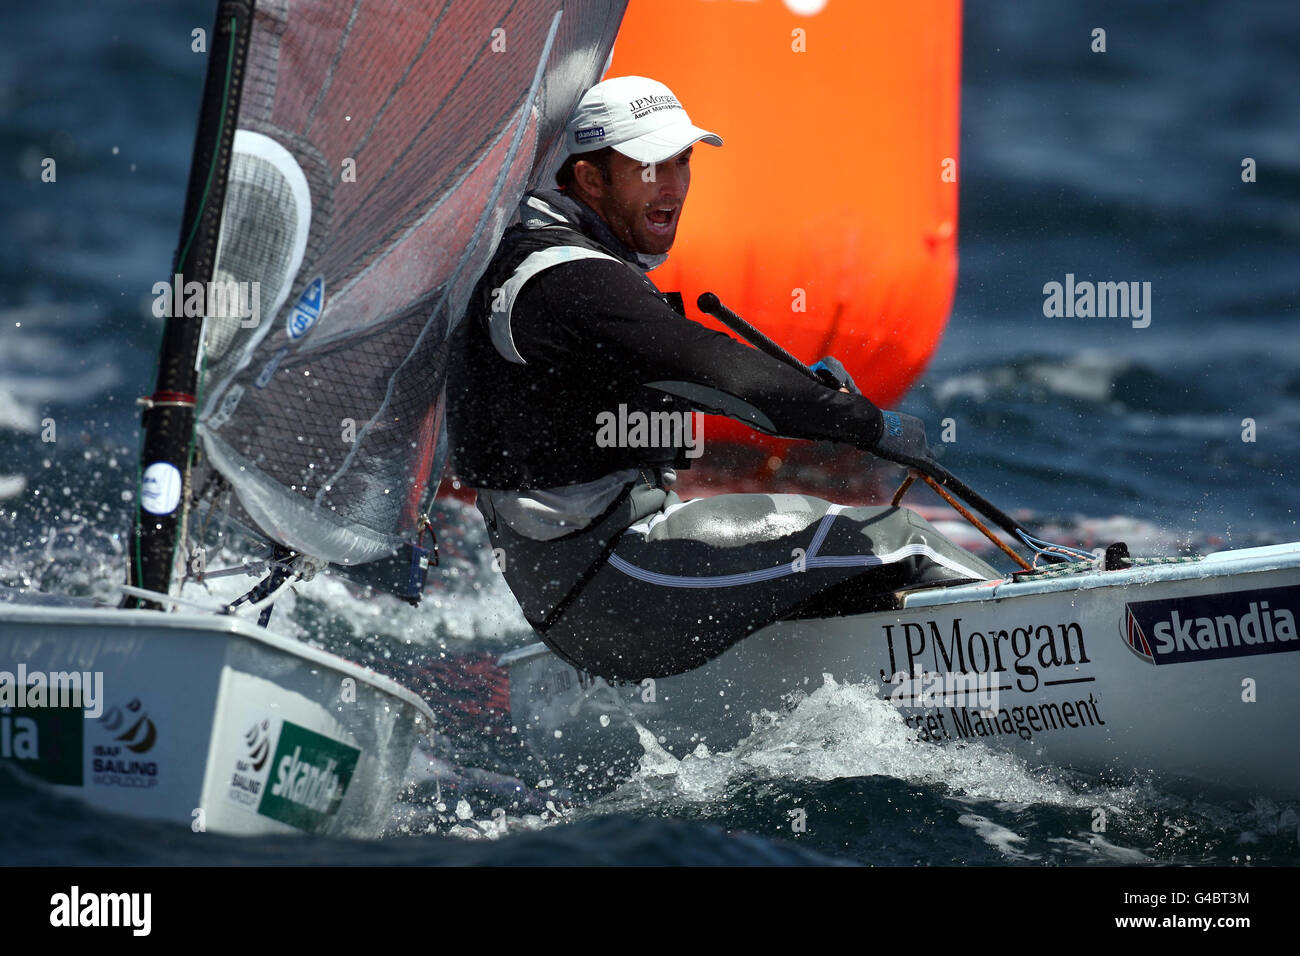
point(903, 441)
point(834, 375)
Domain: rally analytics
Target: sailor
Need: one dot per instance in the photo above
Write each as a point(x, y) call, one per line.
point(570, 363)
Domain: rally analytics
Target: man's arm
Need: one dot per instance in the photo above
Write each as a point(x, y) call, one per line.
point(597, 311)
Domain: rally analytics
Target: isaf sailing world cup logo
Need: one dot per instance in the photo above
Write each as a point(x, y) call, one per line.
point(134, 734)
point(248, 778)
point(258, 738)
point(142, 733)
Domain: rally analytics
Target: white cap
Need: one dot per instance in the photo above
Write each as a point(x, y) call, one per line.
point(639, 117)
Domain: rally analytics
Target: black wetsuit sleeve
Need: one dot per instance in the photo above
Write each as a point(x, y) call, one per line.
point(599, 318)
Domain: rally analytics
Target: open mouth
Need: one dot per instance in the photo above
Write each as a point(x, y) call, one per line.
point(662, 219)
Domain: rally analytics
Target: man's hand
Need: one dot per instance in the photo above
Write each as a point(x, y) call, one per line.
point(903, 441)
point(834, 375)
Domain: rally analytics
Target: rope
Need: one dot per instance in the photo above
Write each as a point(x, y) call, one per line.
point(902, 489)
point(965, 513)
point(1063, 570)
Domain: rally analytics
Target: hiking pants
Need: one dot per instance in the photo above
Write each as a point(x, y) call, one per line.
point(657, 586)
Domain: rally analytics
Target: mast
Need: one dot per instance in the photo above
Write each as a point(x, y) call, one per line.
point(169, 415)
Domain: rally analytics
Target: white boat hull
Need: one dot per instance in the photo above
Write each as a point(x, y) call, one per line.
point(203, 720)
point(1120, 672)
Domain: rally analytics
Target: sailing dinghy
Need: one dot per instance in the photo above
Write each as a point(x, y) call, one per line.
point(355, 165)
point(1184, 670)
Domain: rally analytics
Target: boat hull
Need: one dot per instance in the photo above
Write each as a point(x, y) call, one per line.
point(1184, 671)
point(202, 720)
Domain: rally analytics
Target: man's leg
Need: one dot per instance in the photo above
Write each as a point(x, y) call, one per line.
point(684, 584)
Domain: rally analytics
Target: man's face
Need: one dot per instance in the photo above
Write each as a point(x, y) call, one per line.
point(642, 203)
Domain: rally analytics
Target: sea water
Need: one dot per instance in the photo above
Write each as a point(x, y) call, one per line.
point(1176, 429)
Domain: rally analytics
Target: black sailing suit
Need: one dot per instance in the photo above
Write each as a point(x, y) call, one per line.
point(564, 327)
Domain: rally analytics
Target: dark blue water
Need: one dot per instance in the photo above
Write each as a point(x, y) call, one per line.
point(1116, 166)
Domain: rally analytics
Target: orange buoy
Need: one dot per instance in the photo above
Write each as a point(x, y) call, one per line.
point(829, 217)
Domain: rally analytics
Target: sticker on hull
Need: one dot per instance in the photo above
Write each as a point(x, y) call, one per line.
point(126, 752)
point(291, 774)
point(1213, 626)
point(46, 742)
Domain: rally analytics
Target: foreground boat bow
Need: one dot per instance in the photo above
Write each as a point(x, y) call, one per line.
point(201, 720)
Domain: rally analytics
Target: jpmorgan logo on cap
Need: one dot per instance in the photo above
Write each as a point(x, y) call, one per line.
point(639, 117)
point(648, 104)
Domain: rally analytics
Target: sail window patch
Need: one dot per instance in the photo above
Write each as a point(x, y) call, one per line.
point(264, 228)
